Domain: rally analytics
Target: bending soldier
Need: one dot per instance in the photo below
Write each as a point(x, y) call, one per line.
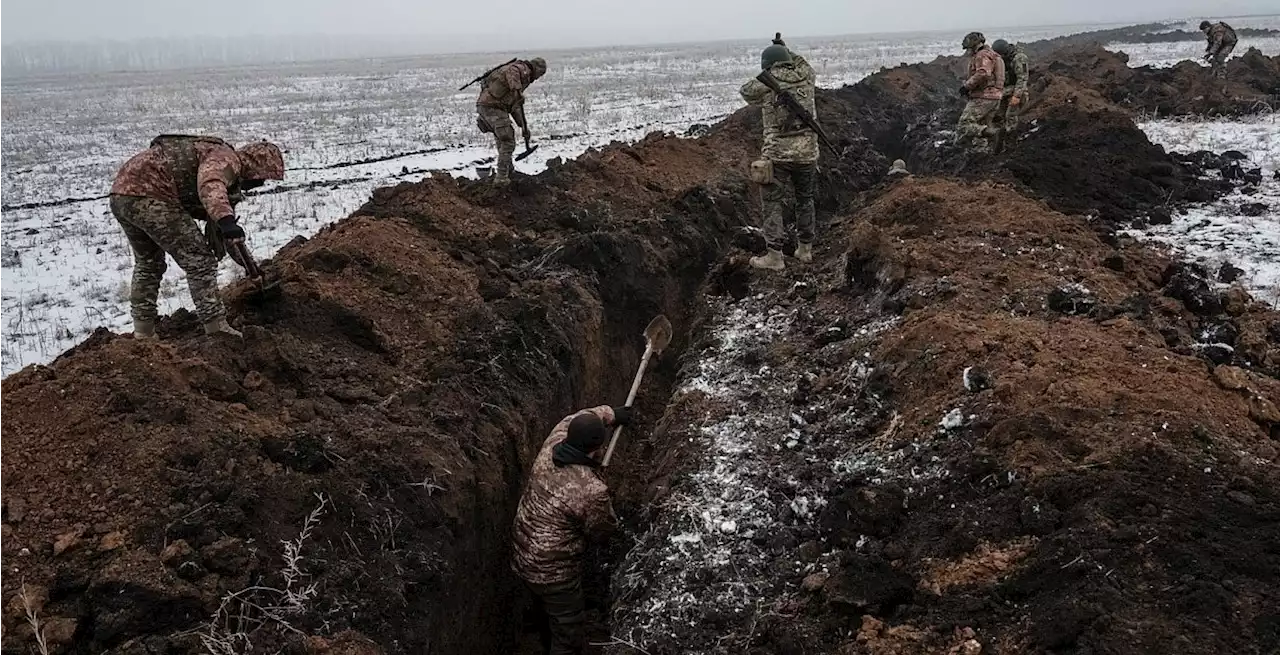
point(565, 503)
point(1222, 40)
point(501, 100)
point(159, 198)
point(1014, 97)
point(984, 87)
point(789, 155)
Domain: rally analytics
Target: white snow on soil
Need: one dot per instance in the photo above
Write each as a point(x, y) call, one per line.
point(1220, 232)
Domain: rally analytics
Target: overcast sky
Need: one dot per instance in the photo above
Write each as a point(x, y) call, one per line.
point(575, 22)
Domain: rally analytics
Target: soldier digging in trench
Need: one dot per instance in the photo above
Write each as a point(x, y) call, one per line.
point(501, 100)
point(789, 157)
point(1222, 40)
point(565, 503)
point(163, 195)
point(1014, 97)
point(983, 87)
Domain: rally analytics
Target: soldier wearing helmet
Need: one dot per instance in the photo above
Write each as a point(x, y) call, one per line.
point(162, 195)
point(984, 87)
point(1014, 97)
point(501, 100)
point(1222, 40)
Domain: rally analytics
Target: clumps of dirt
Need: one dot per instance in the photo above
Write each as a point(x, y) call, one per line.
point(357, 458)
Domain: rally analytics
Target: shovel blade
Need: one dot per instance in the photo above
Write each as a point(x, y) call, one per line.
point(658, 334)
point(526, 153)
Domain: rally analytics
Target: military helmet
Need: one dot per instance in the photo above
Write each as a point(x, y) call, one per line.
point(1001, 46)
point(539, 66)
point(1204, 25)
point(261, 160)
point(973, 40)
point(774, 54)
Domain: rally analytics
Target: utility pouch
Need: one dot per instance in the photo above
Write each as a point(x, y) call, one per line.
point(762, 171)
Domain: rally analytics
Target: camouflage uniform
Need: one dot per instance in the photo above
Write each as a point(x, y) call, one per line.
point(791, 146)
point(985, 85)
point(501, 99)
point(1222, 40)
point(1015, 84)
point(560, 508)
point(158, 196)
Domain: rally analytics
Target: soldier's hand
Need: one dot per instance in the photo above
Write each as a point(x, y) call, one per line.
point(964, 90)
point(1014, 101)
point(230, 230)
point(621, 415)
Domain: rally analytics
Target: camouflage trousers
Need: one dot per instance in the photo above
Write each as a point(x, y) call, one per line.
point(787, 176)
point(564, 632)
point(977, 123)
point(154, 228)
point(1008, 115)
point(1218, 61)
point(504, 133)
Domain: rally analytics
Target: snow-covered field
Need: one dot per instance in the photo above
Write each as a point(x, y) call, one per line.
point(1224, 231)
point(1168, 54)
point(66, 266)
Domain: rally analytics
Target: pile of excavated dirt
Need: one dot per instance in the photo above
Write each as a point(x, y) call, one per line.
point(343, 480)
point(975, 427)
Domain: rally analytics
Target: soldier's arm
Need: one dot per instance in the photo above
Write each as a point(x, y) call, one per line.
point(598, 519)
point(803, 66)
point(980, 77)
point(1020, 69)
point(218, 171)
point(755, 92)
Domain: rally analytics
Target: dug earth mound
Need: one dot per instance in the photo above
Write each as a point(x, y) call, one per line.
point(979, 422)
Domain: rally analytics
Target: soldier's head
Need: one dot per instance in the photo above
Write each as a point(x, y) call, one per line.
point(1003, 47)
point(539, 67)
point(972, 41)
point(774, 54)
point(586, 432)
point(1204, 25)
point(260, 161)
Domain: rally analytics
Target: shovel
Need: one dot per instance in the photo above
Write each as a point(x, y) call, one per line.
point(240, 253)
point(528, 149)
point(656, 339)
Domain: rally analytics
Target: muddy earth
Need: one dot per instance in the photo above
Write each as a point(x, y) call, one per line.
point(980, 421)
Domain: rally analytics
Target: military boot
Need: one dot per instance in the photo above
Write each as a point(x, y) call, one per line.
point(219, 326)
point(770, 262)
point(804, 252)
point(144, 329)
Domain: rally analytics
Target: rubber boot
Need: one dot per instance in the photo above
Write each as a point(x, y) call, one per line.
point(804, 252)
point(144, 329)
point(770, 262)
point(219, 326)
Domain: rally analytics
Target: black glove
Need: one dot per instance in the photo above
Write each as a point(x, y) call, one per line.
point(621, 415)
point(229, 229)
point(964, 90)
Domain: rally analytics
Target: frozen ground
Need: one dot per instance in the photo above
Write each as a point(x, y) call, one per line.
point(1168, 54)
point(1236, 228)
point(66, 265)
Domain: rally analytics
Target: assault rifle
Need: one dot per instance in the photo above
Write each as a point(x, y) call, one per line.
point(486, 74)
point(789, 101)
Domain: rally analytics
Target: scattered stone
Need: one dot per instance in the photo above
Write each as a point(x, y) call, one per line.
point(1228, 273)
point(1187, 283)
point(953, 420)
point(1241, 497)
point(976, 379)
point(15, 510)
point(1072, 300)
point(227, 556)
point(1263, 410)
point(729, 527)
point(1231, 378)
point(111, 541)
point(253, 380)
point(1218, 353)
point(68, 540)
point(810, 551)
point(177, 552)
point(814, 582)
point(1235, 301)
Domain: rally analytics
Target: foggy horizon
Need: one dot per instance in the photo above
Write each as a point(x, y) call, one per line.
point(561, 24)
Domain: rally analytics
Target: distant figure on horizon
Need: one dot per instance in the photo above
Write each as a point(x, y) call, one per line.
point(501, 100)
point(984, 87)
point(162, 195)
point(1222, 40)
point(1014, 97)
point(789, 156)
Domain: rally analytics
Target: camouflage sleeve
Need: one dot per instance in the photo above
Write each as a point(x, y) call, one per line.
point(1020, 69)
point(755, 92)
point(218, 170)
point(598, 519)
point(982, 75)
point(514, 82)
